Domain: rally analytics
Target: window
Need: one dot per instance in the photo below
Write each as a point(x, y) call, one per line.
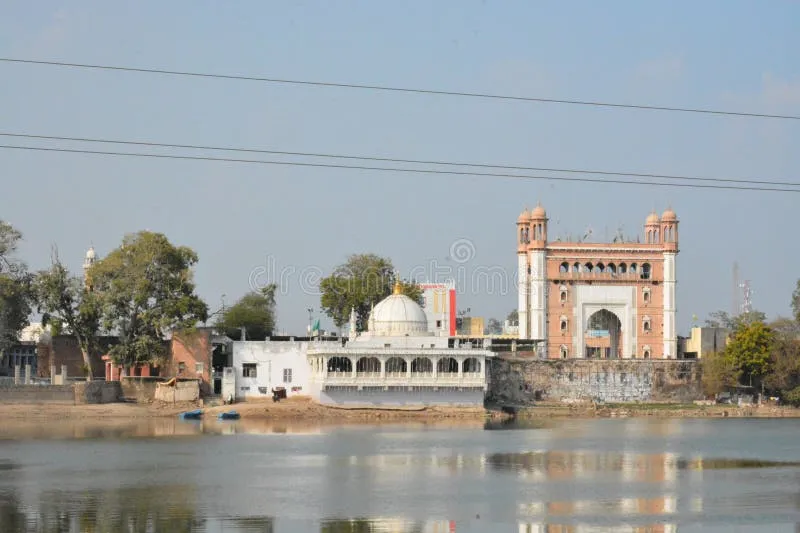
point(438, 323)
point(646, 325)
point(647, 354)
point(249, 370)
point(198, 367)
point(646, 271)
point(564, 268)
point(563, 326)
point(563, 296)
point(646, 295)
point(181, 367)
point(564, 353)
point(287, 375)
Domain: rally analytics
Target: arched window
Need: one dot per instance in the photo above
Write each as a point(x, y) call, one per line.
point(563, 296)
point(647, 324)
point(564, 268)
point(564, 325)
point(587, 267)
point(396, 366)
point(623, 268)
point(646, 271)
point(612, 268)
point(649, 238)
point(633, 268)
point(646, 295)
point(522, 235)
point(421, 365)
point(576, 267)
point(368, 365)
point(447, 365)
point(646, 352)
point(655, 236)
point(564, 352)
point(600, 267)
point(340, 365)
point(471, 365)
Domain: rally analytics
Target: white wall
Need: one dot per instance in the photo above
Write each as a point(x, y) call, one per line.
point(271, 358)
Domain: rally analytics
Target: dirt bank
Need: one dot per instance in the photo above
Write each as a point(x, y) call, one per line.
point(293, 409)
point(656, 410)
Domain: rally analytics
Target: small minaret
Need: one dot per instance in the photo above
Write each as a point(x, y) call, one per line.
point(88, 261)
point(353, 325)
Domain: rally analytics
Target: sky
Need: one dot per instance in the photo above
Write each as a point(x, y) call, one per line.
point(253, 224)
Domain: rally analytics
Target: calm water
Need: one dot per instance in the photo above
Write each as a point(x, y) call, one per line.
point(593, 475)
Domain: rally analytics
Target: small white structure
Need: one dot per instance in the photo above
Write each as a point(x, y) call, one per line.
point(261, 366)
point(398, 361)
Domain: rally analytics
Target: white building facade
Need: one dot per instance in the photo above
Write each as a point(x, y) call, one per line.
point(261, 366)
point(400, 362)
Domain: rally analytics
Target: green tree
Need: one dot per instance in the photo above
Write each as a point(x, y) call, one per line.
point(721, 319)
point(362, 281)
point(15, 288)
point(796, 302)
point(720, 372)
point(750, 349)
point(147, 290)
point(784, 372)
point(493, 327)
point(255, 312)
point(64, 300)
point(513, 318)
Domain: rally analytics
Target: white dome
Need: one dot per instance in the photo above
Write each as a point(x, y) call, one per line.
point(90, 253)
point(397, 316)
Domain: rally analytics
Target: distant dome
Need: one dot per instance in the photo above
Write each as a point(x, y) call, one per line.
point(524, 216)
point(669, 216)
point(397, 316)
point(652, 218)
point(538, 212)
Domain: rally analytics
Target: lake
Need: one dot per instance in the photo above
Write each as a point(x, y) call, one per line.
point(640, 475)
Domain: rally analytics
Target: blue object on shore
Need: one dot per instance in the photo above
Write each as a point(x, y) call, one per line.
point(230, 415)
point(191, 415)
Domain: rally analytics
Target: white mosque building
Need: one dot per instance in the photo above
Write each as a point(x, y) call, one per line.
point(398, 361)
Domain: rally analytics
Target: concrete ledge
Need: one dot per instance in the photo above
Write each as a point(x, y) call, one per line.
point(62, 394)
point(98, 392)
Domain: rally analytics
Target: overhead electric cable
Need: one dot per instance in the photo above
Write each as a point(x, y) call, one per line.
point(397, 89)
point(394, 159)
point(394, 169)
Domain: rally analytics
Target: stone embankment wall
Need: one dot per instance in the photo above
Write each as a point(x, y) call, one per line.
point(143, 389)
point(97, 392)
point(182, 391)
point(73, 393)
point(37, 394)
point(522, 382)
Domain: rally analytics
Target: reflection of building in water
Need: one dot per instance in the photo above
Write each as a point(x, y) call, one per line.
point(400, 361)
point(387, 525)
point(589, 528)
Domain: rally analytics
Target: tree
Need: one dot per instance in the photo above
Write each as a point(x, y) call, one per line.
point(493, 327)
point(15, 288)
point(64, 300)
point(513, 318)
point(719, 373)
point(796, 302)
point(255, 312)
point(784, 372)
point(361, 282)
point(721, 319)
point(147, 290)
point(750, 348)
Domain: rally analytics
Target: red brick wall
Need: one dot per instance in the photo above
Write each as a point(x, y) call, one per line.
point(188, 350)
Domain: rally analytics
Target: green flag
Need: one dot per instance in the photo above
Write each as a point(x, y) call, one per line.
point(315, 329)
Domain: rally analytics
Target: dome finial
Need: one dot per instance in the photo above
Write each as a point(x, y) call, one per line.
point(398, 287)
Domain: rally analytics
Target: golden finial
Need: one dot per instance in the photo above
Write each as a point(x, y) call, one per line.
point(398, 287)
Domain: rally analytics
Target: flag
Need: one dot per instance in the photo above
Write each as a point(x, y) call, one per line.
point(315, 329)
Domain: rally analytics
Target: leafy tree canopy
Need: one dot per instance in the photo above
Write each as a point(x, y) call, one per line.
point(146, 288)
point(750, 348)
point(63, 299)
point(15, 288)
point(721, 319)
point(493, 327)
point(362, 281)
point(720, 372)
point(513, 317)
point(255, 312)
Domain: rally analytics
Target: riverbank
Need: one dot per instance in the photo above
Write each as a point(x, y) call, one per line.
point(292, 409)
point(305, 410)
point(655, 410)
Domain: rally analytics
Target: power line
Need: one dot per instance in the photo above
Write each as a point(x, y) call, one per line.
point(395, 160)
point(399, 89)
point(394, 169)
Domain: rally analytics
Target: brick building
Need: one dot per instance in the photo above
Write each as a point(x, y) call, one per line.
point(598, 300)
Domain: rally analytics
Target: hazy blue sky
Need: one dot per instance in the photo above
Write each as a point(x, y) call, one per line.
point(717, 54)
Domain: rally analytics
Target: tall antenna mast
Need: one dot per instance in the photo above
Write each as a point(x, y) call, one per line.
point(747, 292)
